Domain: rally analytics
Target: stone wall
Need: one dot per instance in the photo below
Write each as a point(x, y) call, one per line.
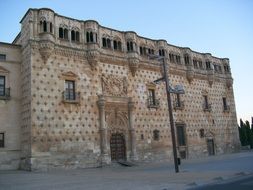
point(10, 107)
point(112, 88)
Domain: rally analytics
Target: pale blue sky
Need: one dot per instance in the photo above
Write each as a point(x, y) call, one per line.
point(222, 27)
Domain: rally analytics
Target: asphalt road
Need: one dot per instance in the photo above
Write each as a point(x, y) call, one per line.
point(245, 183)
point(194, 173)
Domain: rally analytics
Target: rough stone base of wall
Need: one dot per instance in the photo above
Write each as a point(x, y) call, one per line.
point(64, 161)
point(9, 160)
point(155, 156)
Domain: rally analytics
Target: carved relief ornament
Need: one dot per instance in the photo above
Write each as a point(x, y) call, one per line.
point(114, 86)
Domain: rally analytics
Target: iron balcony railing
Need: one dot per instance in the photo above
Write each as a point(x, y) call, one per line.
point(5, 95)
point(153, 103)
point(71, 97)
point(178, 105)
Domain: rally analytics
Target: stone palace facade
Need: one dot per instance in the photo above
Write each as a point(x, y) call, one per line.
point(75, 94)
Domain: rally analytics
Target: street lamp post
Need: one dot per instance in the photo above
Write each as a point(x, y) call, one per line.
point(169, 90)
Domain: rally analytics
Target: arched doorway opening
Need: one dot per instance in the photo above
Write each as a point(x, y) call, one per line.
point(118, 147)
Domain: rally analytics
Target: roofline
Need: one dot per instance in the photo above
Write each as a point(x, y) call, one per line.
point(16, 38)
point(10, 44)
point(36, 9)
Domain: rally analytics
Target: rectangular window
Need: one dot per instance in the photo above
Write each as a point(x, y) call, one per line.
point(1, 140)
point(225, 105)
point(151, 97)
point(206, 106)
point(2, 57)
point(178, 102)
point(181, 135)
point(70, 90)
point(2, 85)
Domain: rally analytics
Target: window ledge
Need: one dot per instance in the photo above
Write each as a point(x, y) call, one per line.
point(71, 101)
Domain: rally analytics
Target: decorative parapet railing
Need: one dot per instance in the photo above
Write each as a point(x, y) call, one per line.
point(178, 105)
point(73, 98)
point(5, 94)
point(153, 103)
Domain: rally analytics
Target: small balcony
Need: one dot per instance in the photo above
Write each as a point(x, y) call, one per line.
point(71, 98)
point(178, 105)
point(207, 107)
point(153, 103)
point(5, 95)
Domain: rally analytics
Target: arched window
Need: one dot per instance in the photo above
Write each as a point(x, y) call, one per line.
point(51, 27)
point(44, 26)
point(141, 52)
point(161, 52)
point(108, 42)
point(130, 46)
point(65, 32)
point(77, 36)
point(186, 59)
point(115, 45)
point(91, 37)
point(61, 32)
point(104, 42)
point(73, 35)
point(87, 37)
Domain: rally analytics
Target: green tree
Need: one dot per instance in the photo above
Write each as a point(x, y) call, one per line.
point(248, 133)
point(242, 133)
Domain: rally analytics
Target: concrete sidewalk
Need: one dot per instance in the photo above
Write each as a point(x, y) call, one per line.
point(155, 176)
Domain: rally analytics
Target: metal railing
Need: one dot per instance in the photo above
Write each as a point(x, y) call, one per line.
point(73, 98)
point(153, 103)
point(5, 95)
point(178, 105)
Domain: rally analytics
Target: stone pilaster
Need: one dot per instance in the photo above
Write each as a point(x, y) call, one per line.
point(103, 131)
point(133, 155)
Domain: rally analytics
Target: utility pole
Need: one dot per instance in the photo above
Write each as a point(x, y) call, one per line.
point(172, 127)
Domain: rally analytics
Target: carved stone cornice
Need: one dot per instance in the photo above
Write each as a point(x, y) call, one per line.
point(69, 52)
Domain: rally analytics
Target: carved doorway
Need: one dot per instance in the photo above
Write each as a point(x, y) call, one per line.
point(210, 147)
point(118, 147)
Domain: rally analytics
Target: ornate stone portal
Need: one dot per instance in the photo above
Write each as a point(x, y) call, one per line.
point(116, 116)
